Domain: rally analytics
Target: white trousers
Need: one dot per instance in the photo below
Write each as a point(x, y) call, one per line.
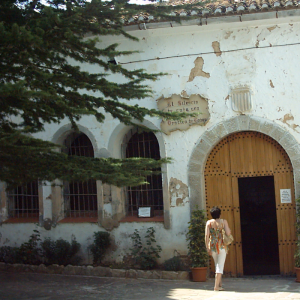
point(219, 260)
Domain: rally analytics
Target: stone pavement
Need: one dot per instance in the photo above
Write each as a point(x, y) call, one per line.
point(21, 286)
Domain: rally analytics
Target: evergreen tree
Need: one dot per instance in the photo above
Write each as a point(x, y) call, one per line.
point(39, 85)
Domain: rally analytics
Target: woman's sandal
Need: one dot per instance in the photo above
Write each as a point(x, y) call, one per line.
point(219, 289)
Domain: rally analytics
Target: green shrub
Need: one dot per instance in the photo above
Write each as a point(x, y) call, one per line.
point(196, 239)
point(61, 252)
point(145, 256)
point(100, 246)
point(35, 252)
point(30, 252)
point(297, 257)
point(9, 254)
point(173, 264)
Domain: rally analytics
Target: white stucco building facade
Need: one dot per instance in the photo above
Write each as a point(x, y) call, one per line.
point(259, 53)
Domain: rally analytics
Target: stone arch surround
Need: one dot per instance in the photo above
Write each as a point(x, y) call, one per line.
point(117, 136)
point(215, 134)
point(60, 135)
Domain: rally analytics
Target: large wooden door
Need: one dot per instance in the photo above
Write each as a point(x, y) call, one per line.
point(251, 154)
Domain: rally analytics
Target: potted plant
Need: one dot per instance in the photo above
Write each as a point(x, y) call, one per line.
point(297, 262)
point(297, 253)
point(196, 245)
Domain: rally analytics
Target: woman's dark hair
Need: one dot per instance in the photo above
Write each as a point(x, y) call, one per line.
point(215, 212)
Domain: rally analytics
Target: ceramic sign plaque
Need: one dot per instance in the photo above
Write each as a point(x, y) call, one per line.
point(285, 196)
point(177, 103)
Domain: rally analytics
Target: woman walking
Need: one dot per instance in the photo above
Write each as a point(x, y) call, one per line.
point(215, 245)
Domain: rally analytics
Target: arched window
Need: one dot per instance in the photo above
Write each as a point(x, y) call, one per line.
point(23, 201)
point(144, 144)
point(80, 197)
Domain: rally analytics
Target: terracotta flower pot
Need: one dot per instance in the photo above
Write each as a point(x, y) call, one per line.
point(199, 274)
point(297, 274)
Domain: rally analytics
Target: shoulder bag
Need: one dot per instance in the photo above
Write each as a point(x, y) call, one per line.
point(227, 239)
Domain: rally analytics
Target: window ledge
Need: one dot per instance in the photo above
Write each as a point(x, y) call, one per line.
point(79, 220)
point(22, 220)
point(137, 219)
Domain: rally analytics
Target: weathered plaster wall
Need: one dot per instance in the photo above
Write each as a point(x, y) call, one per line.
point(270, 72)
point(205, 60)
point(16, 234)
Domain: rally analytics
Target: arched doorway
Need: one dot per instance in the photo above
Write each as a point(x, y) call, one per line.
point(249, 176)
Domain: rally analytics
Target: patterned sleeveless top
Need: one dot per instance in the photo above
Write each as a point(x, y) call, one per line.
point(216, 239)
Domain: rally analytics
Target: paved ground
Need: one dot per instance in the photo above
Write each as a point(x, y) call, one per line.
point(19, 286)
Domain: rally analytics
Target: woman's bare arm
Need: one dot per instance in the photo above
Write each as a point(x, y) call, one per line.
point(227, 229)
point(207, 234)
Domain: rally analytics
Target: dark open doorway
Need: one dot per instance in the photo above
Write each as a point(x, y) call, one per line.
point(259, 225)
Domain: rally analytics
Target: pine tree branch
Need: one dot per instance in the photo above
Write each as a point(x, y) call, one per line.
point(42, 50)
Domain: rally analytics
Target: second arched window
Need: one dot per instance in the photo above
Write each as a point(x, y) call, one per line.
point(144, 144)
point(80, 196)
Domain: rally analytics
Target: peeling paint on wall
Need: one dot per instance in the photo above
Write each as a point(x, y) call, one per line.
point(184, 94)
point(287, 119)
point(247, 57)
point(107, 209)
point(216, 47)
point(109, 223)
point(107, 193)
point(228, 34)
point(197, 70)
point(178, 192)
point(272, 28)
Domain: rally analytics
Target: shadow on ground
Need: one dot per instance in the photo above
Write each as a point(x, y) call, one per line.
point(21, 286)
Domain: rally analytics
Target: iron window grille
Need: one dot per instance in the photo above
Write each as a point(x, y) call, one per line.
point(23, 201)
point(144, 144)
point(80, 196)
